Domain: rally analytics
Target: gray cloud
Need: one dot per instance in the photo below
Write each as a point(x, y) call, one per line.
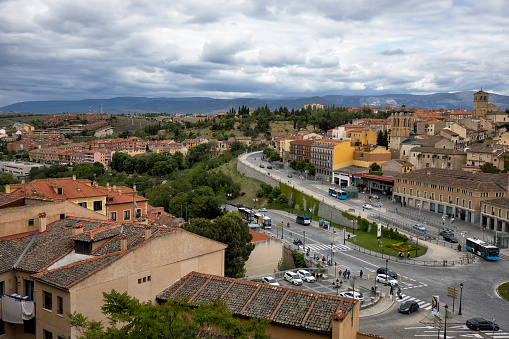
point(75, 50)
point(392, 52)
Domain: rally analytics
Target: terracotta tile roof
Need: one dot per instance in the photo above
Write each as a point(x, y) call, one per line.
point(281, 305)
point(462, 179)
point(257, 236)
point(71, 274)
point(11, 248)
point(72, 189)
point(7, 198)
point(499, 202)
point(119, 194)
point(435, 150)
point(158, 216)
point(41, 253)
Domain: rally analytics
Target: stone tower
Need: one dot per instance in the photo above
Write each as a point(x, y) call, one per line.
point(402, 123)
point(480, 107)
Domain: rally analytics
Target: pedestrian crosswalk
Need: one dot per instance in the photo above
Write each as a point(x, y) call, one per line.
point(327, 247)
point(504, 257)
point(422, 304)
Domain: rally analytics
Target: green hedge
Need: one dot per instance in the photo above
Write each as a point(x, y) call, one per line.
point(298, 259)
point(393, 234)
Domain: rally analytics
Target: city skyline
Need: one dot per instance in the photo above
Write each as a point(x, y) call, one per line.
point(58, 50)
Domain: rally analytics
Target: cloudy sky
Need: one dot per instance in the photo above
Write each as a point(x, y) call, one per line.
point(69, 49)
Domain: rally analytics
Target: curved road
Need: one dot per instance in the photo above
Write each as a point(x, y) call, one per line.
point(417, 282)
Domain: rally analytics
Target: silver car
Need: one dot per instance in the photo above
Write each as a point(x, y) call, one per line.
point(352, 294)
point(386, 280)
point(270, 281)
point(293, 278)
point(306, 276)
point(419, 227)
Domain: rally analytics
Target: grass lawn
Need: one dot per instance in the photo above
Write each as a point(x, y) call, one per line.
point(249, 185)
point(370, 242)
point(503, 290)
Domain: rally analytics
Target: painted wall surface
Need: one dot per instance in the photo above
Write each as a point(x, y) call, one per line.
point(342, 155)
point(90, 203)
point(149, 269)
point(265, 257)
point(16, 220)
point(50, 320)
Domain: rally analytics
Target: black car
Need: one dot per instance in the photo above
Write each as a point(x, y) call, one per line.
point(269, 167)
point(391, 273)
point(445, 232)
point(408, 307)
point(481, 324)
point(450, 238)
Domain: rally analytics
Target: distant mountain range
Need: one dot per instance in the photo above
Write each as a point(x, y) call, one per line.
point(459, 100)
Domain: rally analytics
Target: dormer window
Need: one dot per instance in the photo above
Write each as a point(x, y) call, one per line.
point(60, 190)
point(81, 247)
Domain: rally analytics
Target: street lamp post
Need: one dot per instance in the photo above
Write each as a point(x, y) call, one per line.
point(337, 285)
point(445, 326)
point(461, 294)
point(420, 208)
point(304, 232)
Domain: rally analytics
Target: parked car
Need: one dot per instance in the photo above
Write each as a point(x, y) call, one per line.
point(450, 238)
point(408, 307)
point(367, 206)
point(293, 278)
point(481, 324)
point(261, 166)
point(352, 294)
point(270, 281)
point(269, 167)
point(390, 272)
point(419, 227)
point(306, 276)
point(446, 232)
point(289, 175)
point(386, 280)
point(263, 209)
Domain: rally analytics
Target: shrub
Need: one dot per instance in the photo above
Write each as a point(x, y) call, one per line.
point(298, 259)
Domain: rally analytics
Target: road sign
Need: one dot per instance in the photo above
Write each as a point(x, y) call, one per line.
point(438, 320)
point(452, 292)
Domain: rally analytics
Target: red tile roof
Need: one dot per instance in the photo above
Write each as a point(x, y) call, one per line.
point(285, 306)
point(71, 189)
point(257, 236)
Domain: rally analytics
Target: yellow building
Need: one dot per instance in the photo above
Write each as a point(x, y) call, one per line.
point(346, 155)
point(78, 191)
point(362, 137)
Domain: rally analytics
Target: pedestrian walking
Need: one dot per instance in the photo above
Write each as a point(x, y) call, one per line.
point(348, 274)
point(361, 273)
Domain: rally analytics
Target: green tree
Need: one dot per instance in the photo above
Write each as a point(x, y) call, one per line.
point(489, 168)
point(282, 199)
point(231, 230)
point(375, 167)
point(129, 318)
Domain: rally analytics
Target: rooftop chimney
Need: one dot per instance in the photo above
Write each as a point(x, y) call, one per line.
point(74, 177)
point(148, 232)
point(77, 228)
point(23, 181)
point(134, 188)
point(42, 222)
point(123, 242)
point(7, 189)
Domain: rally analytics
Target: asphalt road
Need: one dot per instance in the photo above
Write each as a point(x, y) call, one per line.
point(480, 279)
